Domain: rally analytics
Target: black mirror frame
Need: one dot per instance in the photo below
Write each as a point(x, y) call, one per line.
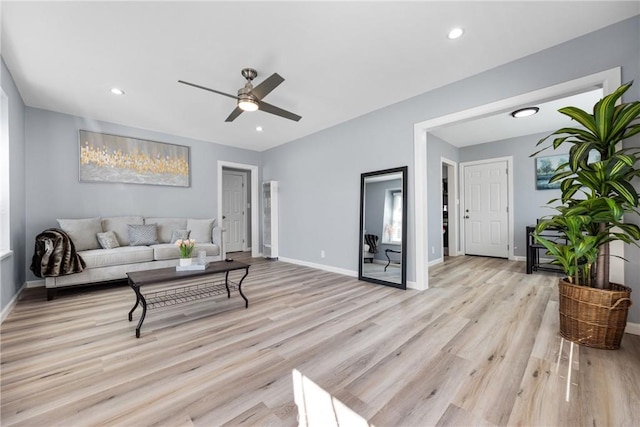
point(403, 282)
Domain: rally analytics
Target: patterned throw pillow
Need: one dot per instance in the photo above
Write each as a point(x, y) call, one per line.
point(143, 235)
point(108, 240)
point(179, 235)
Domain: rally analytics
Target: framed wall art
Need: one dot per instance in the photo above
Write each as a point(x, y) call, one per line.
point(113, 158)
point(547, 166)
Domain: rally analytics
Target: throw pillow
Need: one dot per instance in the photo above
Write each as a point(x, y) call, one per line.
point(179, 235)
point(108, 240)
point(82, 232)
point(143, 235)
point(201, 229)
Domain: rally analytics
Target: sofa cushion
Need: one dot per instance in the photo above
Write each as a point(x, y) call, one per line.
point(164, 251)
point(117, 256)
point(119, 225)
point(143, 235)
point(179, 235)
point(201, 229)
point(82, 232)
point(166, 227)
point(108, 240)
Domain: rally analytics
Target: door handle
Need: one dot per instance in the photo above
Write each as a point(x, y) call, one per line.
point(466, 216)
point(224, 217)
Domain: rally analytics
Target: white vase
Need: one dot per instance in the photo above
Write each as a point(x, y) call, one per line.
point(185, 261)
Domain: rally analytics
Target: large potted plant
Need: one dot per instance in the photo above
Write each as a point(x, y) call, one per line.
point(595, 197)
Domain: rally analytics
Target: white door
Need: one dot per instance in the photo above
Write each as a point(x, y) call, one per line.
point(233, 210)
point(485, 213)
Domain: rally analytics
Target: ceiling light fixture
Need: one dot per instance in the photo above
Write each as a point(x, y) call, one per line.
point(117, 91)
point(258, 128)
point(455, 33)
point(246, 100)
point(524, 112)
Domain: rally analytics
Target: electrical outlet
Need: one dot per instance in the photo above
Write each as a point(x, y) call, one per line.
point(322, 253)
point(433, 249)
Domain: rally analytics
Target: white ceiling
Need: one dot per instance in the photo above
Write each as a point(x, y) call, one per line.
point(502, 126)
point(340, 60)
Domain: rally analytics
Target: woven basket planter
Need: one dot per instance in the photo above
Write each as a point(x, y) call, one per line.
point(594, 317)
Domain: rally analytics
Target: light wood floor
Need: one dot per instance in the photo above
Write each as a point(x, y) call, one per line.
point(478, 348)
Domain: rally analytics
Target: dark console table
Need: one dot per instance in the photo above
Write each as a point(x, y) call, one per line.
point(183, 286)
point(534, 262)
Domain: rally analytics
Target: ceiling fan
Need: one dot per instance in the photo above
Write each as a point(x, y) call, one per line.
point(250, 98)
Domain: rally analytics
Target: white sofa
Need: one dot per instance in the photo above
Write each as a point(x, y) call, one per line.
point(114, 263)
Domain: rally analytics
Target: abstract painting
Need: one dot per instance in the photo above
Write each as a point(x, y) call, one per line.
point(112, 158)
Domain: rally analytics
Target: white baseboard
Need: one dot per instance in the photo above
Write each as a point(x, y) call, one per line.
point(436, 262)
point(320, 266)
point(519, 258)
point(633, 328)
point(7, 309)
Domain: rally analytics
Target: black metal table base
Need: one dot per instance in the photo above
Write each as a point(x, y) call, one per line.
point(183, 294)
point(386, 252)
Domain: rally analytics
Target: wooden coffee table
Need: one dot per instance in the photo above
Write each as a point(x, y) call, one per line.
point(183, 286)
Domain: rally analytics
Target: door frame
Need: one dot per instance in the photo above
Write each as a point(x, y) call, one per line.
point(255, 224)
point(452, 206)
point(510, 215)
point(609, 80)
point(245, 199)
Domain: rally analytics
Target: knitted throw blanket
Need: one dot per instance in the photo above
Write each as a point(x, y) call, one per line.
point(55, 255)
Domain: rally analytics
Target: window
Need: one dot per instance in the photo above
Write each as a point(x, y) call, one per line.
point(4, 176)
point(392, 222)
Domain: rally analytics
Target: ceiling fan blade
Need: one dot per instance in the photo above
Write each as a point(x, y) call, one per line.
point(267, 86)
point(268, 108)
point(235, 113)
point(206, 88)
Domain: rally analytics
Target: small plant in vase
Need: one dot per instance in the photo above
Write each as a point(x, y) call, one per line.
point(186, 249)
point(595, 197)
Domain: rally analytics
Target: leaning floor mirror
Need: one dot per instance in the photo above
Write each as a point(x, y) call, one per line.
point(383, 227)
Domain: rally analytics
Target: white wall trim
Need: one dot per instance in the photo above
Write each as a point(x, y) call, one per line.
point(329, 268)
point(255, 204)
point(519, 258)
point(435, 262)
point(510, 201)
point(9, 307)
point(609, 80)
point(633, 328)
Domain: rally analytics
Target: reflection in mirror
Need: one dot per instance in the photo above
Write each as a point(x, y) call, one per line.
point(383, 227)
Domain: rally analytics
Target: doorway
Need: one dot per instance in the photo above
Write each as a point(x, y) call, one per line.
point(235, 209)
point(485, 207)
point(608, 80)
point(252, 237)
point(449, 207)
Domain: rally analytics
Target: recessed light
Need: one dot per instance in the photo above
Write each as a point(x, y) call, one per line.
point(258, 128)
point(455, 33)
point(117, 91)
point(524, 112)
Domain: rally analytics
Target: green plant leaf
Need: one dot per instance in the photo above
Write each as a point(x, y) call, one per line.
point(582, 117)
point(628, 114)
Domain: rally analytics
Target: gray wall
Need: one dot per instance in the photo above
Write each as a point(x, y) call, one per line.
point(54, 191)
point(528, 202)
point(12, 274)
point(319, 174)
point(436, 149)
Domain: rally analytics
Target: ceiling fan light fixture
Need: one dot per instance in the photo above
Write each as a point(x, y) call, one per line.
point(524, 112)
point(247, 105)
